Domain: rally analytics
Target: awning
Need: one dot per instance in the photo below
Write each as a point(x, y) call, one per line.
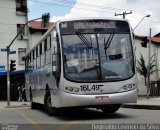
point(3, 73)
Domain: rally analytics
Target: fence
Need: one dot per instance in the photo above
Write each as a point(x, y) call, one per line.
point(155, 88)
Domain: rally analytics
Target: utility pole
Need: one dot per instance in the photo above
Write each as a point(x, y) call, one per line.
point(124, 14)
point(141, 21)
point(45, 20)
point(148, 69)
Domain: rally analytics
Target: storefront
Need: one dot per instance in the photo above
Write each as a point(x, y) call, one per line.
point(16, 78)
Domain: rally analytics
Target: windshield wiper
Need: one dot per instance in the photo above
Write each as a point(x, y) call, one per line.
point(84, 39)
point(106, 44)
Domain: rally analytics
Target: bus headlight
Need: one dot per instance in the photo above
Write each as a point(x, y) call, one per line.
point(128, 87)
point(71, 89)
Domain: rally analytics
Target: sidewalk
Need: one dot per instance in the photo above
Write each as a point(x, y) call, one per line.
point(14, 104)
point(153, 103)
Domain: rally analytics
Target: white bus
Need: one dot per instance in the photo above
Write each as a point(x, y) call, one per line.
point(86, 63)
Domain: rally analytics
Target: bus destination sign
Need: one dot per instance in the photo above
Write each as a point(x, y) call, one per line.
point(94, 25)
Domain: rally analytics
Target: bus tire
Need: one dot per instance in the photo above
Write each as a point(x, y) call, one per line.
point(52, 111)
point(33, 105)
point(111, 108)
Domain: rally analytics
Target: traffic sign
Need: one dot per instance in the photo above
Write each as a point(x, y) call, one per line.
point(12, 52)
point(4, 49)
point(2, 68)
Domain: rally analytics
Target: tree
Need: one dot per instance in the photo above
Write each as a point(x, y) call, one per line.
point(142, 68)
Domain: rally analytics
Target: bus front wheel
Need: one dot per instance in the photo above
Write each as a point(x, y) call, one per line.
point(52, 111)
point(111, 108)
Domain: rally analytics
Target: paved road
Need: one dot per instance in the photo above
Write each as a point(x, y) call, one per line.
point(74, 119)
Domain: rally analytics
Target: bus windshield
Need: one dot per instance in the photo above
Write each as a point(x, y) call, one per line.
point(106, 57)
point(97, 50)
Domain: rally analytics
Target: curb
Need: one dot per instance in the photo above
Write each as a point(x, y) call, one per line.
point(138, 106)
point(17, 106)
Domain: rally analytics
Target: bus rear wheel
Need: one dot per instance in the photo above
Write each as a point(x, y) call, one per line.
point(111, 108)
point(52, 111)
point(33, 105)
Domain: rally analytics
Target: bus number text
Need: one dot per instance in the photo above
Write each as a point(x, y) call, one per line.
point(90, 88)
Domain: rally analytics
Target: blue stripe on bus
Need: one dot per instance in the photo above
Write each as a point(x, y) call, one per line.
point(2, 73)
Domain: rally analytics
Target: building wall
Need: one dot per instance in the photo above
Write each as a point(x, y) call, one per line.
point(34, 38)
point(144, 51)
point(9, 18)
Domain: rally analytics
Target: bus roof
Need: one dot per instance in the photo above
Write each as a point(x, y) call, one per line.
point(72, 19)
point(92, 18)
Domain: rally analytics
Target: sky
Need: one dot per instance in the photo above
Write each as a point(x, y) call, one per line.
point(63, 9)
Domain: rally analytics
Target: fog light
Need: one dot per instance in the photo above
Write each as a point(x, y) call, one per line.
point(129, 86)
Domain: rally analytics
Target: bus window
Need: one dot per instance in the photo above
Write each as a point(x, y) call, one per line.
point(38, 58)
point(48, 56)
point(27, 62)
point(36, 52)
point(49, 42)
point(45, 45)
point(42, 54)
point(48, 50)
point(35, 60)
point(40, 50)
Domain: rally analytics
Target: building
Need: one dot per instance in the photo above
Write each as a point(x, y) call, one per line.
point(13, 16)
point(155, 57)
point(36, 31)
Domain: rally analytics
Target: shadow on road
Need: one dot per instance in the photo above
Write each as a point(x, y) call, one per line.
point(87, 114)
point(71, 114)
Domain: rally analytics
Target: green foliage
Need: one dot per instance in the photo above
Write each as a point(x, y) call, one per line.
point(142, 68)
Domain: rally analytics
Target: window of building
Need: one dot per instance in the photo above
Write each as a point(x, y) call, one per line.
point(21, 54)
point(23, 33)
point(21, 7)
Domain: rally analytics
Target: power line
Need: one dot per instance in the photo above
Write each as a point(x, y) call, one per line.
point(79, 3)
point(103, 8)
point(94, 6)
point(99, 7)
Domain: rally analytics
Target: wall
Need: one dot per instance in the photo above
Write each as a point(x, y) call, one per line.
point(34, 38)
point(8, 30)
point(144, 51)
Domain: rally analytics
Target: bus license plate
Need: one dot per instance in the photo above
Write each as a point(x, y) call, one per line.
point(101, 98)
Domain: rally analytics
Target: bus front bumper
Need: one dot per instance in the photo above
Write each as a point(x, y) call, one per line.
point(73, 100)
